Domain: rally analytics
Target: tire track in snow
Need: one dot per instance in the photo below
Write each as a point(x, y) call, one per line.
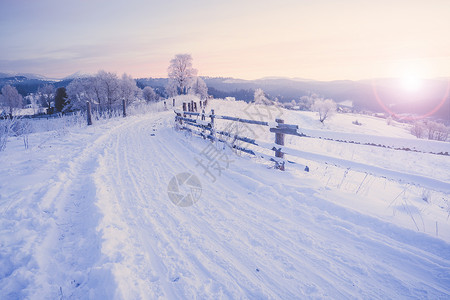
point(165, 201)
point(69, 258)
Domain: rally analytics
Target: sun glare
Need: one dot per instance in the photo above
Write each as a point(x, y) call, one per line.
point(411, 83)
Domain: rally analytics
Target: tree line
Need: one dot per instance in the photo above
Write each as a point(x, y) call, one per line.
point(106, 90)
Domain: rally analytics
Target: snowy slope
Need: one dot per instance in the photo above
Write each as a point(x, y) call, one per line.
point(86, 215)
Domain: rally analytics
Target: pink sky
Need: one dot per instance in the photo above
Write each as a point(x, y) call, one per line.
point(324, 39)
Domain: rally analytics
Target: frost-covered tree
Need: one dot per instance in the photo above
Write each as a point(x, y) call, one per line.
point(149, 95)
point(199, 88)
point(181, 73)
point(171, 89)
point(437, 131)
point(11, 99)
point(47, 94)
point(325, 108)
point(128, 89)
point(109, 88)
point(260, 97)
point(105, 91)
point(306, 102)
point(418, 129)
point(90, 89)
point(76, 93)
point(33, 100)
point(431, 130)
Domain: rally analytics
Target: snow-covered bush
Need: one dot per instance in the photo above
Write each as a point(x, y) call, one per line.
point(22, 128)
point(389, 120)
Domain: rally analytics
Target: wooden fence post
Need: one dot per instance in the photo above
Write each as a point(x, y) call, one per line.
point(124, 108)
point(279, 140)
point(178, 118)
point(89, 115)
point(212, 124)
point(173, 102)
point(195, 107)
point(184, 106)
point(189, 107)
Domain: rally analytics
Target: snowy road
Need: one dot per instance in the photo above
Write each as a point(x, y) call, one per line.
point(254, 233)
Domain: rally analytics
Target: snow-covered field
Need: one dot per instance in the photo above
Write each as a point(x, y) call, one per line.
point(85, 213)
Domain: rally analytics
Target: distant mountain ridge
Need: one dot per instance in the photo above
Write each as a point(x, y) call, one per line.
point(369, 95)
point(76, 75)
point(27, 75)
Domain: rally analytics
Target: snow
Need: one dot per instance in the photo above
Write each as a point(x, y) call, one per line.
point(346, 103)
point(85, 214)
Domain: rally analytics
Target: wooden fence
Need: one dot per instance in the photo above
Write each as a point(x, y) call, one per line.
point(202, 124)
point(196, 123)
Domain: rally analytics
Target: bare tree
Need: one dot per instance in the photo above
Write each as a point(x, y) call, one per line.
point(181, 73)
point(11, 99)
point(149, 94)
point(325, 108)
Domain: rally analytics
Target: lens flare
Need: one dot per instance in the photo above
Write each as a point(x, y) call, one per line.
point(411, 83)
point(411, 118)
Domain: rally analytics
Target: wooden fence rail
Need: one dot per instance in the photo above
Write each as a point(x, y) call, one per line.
point(280, 130)
point(207, 131)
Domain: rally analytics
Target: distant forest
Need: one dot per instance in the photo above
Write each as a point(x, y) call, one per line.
point(361, 93)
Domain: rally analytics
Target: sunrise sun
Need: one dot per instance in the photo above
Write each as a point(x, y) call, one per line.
point(411, 82)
